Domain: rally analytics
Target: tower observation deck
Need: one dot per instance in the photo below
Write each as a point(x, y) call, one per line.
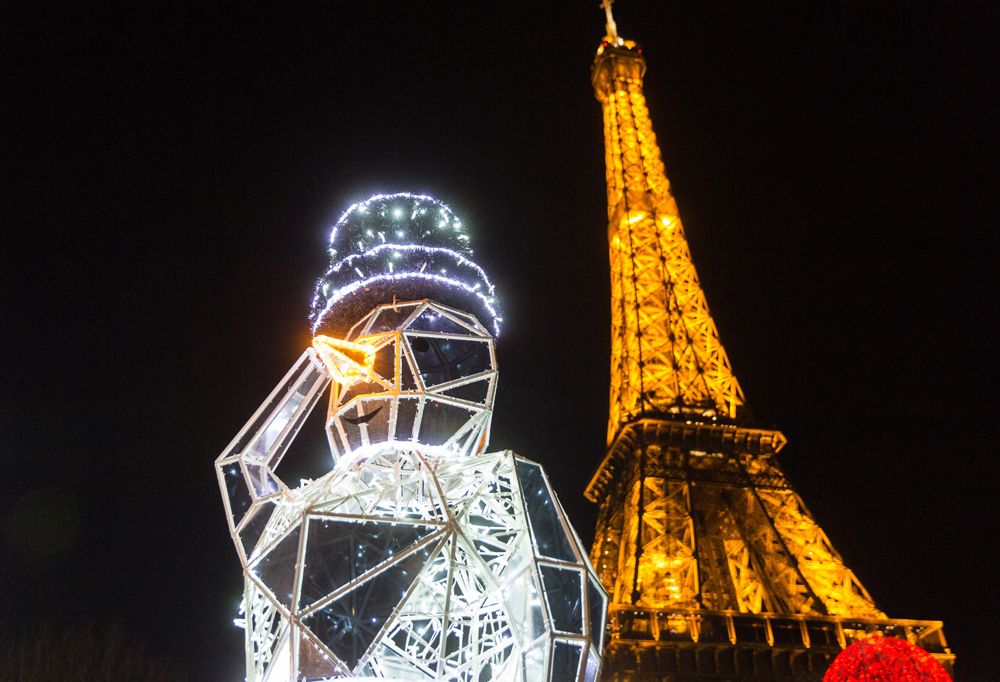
point(715, 568)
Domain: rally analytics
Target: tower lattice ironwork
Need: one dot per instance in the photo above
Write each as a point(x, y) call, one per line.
point(714, 566)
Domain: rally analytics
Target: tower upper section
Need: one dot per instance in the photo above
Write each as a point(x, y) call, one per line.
point(666, 357)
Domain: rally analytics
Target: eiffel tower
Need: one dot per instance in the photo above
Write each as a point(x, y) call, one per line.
point(714, 566)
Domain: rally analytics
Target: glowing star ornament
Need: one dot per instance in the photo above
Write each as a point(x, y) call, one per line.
point(419, 556)
point(885, 659)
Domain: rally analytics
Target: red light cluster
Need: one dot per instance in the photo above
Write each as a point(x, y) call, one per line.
point(885, 659)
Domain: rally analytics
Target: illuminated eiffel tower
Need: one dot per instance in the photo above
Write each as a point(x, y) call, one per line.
point(715, 568)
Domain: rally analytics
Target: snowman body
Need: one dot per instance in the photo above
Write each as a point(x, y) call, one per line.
point(419, 556)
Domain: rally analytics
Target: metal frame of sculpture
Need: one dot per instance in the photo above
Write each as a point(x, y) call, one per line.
point(418, 556)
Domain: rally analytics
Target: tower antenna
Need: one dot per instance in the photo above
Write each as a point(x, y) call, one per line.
point(612, 28)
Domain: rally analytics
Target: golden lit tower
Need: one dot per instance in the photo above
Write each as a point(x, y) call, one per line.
point(714, 566)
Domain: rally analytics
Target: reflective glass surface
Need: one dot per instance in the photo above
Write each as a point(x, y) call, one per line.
point(441, 421)
point(352, 428)
point(236, 490)
point(564, 595)
point(338, 552)
point(440, 360)
point(254, 527)
point(375, 418)
point(385, 362)
point(525, 605)
point(565, 661)
point(406, 380)
point(266, 411)
point(313, 664)
point(277, 568)
point(259, 448)
point(350, 624)
point(593, 666)
point(550, 537)
point(262, 481)
point(474, 392)
point(596, 609)
point(363, 388)
point(407, 412)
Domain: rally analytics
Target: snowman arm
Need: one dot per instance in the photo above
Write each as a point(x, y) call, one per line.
point(246, 466)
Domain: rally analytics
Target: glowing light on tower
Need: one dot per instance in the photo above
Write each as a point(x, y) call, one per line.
point(419, 556)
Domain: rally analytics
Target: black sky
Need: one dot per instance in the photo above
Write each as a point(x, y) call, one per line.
point(172, 171)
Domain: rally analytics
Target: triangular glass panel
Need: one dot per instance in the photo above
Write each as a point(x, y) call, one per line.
point(564, 595)
point(565, 662)
point(263, 482)
point(313, 663)
point(475, 392)
point(432, 321)
point(385, 362)
point(550, 536)
point(349, 625)
point(277, 568)
point(440, 360)
point(236, 490)
point(390, 319)
point(254, 527)
point(596, 610)
point(441, 421)
point(338, 552)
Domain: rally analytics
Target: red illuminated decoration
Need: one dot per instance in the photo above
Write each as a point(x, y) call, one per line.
point(885, 659)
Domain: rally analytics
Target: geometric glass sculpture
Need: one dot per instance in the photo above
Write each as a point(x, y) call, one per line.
point(408, 564)
point(419, 556)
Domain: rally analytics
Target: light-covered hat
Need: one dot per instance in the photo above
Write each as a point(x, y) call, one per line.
point(399, 247)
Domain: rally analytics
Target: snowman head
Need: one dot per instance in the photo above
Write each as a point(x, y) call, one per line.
point(431, 382)
point(411, 319)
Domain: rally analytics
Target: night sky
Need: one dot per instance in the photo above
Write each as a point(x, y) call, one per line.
point(172, 172)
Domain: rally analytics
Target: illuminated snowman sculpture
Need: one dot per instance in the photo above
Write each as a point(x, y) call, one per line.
point(419, 556)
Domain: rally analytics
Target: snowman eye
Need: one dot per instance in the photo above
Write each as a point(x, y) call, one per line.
point(446, 359)
point(365, 418)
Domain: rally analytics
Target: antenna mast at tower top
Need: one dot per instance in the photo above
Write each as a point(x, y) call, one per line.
point(612, 28)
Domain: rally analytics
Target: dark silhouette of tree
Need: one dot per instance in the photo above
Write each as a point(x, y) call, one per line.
point(91, 652)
